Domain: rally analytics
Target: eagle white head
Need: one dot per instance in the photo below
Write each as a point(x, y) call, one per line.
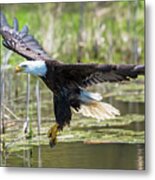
point(37, 68)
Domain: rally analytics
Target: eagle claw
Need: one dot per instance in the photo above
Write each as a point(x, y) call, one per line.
point(52, 143)
point(52, 134)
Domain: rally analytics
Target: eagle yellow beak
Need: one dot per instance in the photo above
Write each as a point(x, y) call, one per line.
point(18, 69)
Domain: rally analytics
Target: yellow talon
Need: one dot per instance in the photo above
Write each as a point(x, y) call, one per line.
point(52, 134)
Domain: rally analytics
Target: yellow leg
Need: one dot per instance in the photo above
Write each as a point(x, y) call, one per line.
point(52, 134)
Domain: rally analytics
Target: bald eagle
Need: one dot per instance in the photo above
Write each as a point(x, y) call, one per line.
point(66, 81)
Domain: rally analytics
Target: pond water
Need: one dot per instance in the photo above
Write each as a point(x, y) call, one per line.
point(79, 155)
point(111, 144)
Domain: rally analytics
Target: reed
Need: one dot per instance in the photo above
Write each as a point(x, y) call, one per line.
point(26, 125)
point(38, 99)
point(4, 63)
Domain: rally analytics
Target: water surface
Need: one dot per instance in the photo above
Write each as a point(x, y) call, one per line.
point(79, 155)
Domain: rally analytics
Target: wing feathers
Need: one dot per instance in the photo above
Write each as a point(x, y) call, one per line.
point(24, 32)
point(20, 41)
point(113, 73)
point(89, 74)
point(15, 24)
point(77, 74)
point(3, 20)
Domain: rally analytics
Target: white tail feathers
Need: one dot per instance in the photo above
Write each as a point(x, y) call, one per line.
point(99, 110)
point(91, 107)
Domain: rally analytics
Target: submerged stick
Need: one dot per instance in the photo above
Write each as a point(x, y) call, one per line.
point(20, 137)
point(9, 111)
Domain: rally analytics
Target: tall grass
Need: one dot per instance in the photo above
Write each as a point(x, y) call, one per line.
point(101, 32)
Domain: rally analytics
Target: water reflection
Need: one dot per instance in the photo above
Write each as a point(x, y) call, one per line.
point(140, 157)
point(127, 107)
point(79, 155)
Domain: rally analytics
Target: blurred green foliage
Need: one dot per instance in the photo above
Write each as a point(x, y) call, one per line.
point(102, 32)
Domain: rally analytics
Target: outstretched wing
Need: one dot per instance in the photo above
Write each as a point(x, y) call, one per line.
point(20, 41)
point(89, 74)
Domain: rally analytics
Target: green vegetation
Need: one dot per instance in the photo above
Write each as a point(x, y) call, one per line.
point(102, 32)
point(89, 131)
